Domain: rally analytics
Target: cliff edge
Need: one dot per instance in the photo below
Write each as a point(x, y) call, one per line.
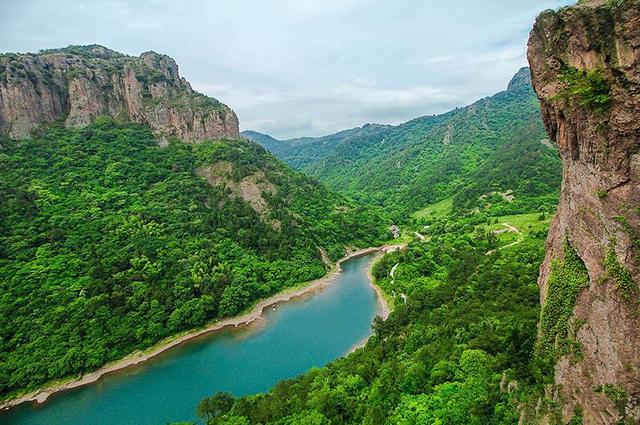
point(585, 65)
point(78, 83)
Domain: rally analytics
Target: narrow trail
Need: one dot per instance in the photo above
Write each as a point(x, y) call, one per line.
point(508, 228)
point(512, 228)
point(393, 270)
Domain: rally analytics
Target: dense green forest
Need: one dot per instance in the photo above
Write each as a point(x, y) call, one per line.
point(459, 347)
point(110, 242)
point(525, 167)
point(303, 152)
point(497, 144)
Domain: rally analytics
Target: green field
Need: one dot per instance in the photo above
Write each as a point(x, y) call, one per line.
point(526, 223)
point(439, 209)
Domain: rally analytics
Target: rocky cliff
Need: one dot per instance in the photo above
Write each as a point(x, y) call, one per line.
point(78, 83)
point(585, 65)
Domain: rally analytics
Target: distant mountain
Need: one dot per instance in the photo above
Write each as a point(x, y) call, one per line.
point(278, 147)
point(303, 152)
point(427, 159)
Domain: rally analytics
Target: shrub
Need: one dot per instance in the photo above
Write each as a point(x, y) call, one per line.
point(590, 88)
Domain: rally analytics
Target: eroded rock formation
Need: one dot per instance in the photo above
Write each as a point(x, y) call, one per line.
point(79, 83)
point(585, 65)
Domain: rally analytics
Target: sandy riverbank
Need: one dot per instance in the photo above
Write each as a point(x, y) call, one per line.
point(255, 313)
point(384, 309)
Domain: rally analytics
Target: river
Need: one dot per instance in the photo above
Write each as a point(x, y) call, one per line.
point(292, 338)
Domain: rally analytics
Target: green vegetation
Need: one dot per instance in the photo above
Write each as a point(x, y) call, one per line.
point(567, 277)
point(590, 88)
point(438, 210)
point(617, 395)
point(621, 276)
point(525, 223)
point(577, 418)
point(457, 348)
point(89, 51)
point(110, 243)
point(633, 234)
point(303, 152)
point(187, 102)
point(525, 168)
point(492, 146)
point(215, 406)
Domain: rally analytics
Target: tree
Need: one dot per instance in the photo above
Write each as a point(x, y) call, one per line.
point(215, 406)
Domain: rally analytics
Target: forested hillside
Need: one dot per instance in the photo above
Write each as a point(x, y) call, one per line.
point(459, 347)
point(303, 152)
point(110, 242)
point(425, 160)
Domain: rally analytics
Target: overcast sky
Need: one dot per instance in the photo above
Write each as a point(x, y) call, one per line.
point(303, 67)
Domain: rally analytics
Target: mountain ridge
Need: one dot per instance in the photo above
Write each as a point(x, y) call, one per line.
point(76, 84)
point(301, 152)
point(429, 158)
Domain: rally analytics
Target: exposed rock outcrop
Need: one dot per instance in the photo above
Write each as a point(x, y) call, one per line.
point(78, 83)
point(253, 188)
point(585, 65)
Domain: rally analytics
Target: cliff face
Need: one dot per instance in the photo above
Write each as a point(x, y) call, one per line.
point(585, 65)
point(79, 83)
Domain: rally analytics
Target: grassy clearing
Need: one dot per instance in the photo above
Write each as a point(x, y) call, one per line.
point(526, 223)
point(439, 209)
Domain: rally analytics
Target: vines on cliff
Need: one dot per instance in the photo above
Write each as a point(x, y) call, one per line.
point(620, 275)
point(568, 276)
point(589, 87)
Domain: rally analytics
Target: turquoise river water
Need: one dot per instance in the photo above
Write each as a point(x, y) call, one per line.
point(296, 336)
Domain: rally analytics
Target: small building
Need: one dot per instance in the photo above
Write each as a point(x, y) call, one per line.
point(395, 231)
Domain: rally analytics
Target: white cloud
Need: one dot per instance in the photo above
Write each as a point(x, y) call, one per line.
point(303, 67)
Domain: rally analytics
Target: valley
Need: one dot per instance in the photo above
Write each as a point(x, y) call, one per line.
point(301, 329)
point(464, 154)
point(474, 266)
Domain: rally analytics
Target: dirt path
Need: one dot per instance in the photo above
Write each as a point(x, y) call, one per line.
point(420, 236)
point(508, 228)
point(393, 269)
point(512, 228)
point(254, 314)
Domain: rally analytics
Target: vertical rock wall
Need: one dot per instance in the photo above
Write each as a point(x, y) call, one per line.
point(585, 65)
point(79, 83)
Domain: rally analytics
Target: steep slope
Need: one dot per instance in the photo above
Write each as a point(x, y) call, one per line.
point(456, 349)
point(427, 159)
point(521, 175)
point(109, 242)
point(585, 62)
point(79, 83)
point(114, 235)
